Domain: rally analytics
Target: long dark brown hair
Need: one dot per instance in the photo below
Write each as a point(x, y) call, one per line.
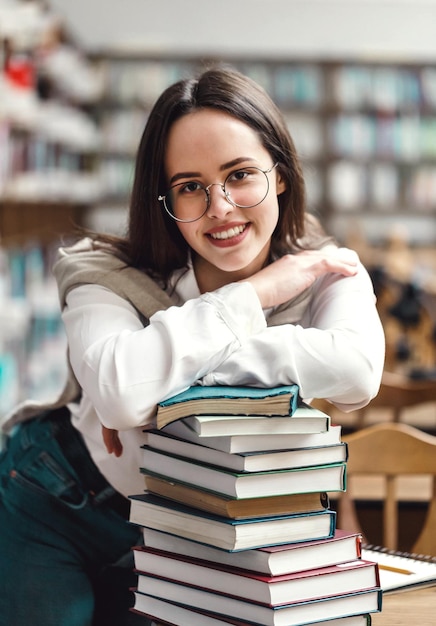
point(154, 242)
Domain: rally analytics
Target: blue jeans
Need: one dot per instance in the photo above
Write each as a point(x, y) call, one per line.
point(65, 557)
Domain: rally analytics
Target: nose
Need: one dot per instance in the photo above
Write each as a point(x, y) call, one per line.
point(219, 204)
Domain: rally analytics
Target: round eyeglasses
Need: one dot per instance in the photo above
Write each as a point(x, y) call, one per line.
point(244, 188)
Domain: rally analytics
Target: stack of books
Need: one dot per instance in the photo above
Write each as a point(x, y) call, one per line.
point(236, 518)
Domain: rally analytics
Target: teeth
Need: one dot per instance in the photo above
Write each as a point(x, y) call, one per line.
point(226, 234)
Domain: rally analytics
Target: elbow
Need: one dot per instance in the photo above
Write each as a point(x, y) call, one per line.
point(120, 397)
point(118, 409)
point(362, 372)
point(363, 384)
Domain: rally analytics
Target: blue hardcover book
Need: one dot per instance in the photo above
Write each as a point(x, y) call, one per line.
point(229, 534)
point(228, 400)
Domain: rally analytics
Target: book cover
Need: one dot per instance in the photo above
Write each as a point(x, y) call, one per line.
point(228, 400)
point(291, 614)
point(164, 613)
point(248, 461)
point(401, 571)
point(234, 507)
point(235, 444)
point(269, 590)
point(272, 561)
point(229, 534)
point(245, 485)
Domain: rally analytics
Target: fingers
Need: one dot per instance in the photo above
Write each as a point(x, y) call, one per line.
point(347, 255)
point(330, 260)
point(112, 441)
point(346, 262)
point(291, 274)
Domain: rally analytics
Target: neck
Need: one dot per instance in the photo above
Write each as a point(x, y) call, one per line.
point(209, 277)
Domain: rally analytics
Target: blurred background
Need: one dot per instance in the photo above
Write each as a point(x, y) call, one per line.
point(356, 80)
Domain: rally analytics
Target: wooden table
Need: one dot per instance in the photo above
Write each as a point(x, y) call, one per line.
point(416, 607)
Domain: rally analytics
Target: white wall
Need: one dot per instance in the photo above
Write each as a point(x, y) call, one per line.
point(392, 29)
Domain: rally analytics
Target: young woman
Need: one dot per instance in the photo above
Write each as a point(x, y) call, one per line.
point(223, 278)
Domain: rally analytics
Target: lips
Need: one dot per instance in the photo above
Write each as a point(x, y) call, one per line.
point(229, 233)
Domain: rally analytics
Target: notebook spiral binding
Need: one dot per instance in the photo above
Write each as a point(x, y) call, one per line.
point(428, 558)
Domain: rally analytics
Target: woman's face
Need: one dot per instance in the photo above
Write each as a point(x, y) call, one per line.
point(229, 243)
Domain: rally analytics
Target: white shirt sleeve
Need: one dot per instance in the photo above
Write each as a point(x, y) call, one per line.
point(336, 352)
point(126, 369)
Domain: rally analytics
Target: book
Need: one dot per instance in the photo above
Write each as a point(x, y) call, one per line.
point(268, 590)
point(400, 571)
point(244, 485)
point(291, 614)
point(228, 400)
point(163, 613)
point(272, 561)
point(248, 461)
point(237, 444)
point(168, 613)
point(233, 507)
point(229, 534)
point(303, 420)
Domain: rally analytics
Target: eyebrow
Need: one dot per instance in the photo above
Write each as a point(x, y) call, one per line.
point(223, 167)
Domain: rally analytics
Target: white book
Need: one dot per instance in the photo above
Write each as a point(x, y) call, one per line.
point(304, 420)
point(271, 591)
point(229, 534)
point(292, 614)
point(178, 615)
point(273, 560)
point(248, 461)
point(255, 443)
point(317, 478)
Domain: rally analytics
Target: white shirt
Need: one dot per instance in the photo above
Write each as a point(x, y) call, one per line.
point(336, 351)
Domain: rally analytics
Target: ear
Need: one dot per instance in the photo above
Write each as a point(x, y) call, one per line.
point(280, 183)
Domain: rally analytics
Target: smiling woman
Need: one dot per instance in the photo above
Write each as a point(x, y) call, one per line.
point(222, 279)
point(235, 218)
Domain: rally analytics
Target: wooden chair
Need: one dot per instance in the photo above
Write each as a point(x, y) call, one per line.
point(391, 450)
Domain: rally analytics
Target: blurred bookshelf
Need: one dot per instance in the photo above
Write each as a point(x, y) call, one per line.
point(365, 131)
point(49, 145)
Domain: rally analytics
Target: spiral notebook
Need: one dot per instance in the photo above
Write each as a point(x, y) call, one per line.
point(400, 571)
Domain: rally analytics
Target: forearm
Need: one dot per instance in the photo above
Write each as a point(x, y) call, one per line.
point(336, 352)
point(126, 369)
point(325, 364)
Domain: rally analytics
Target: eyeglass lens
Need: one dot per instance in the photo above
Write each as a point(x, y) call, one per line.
point(244, 188)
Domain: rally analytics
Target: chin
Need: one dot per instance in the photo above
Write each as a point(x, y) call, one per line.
point(243, 270)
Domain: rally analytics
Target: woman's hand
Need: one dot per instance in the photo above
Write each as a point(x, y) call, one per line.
point(292, 274)
point(112, 441)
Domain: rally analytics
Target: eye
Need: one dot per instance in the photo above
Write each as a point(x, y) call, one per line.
point(242, 176)
point(190, 187)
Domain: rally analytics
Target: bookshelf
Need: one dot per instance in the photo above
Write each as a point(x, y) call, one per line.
point(48, 139)
point(365, 130)
point(49, 144)
point(48, 167)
